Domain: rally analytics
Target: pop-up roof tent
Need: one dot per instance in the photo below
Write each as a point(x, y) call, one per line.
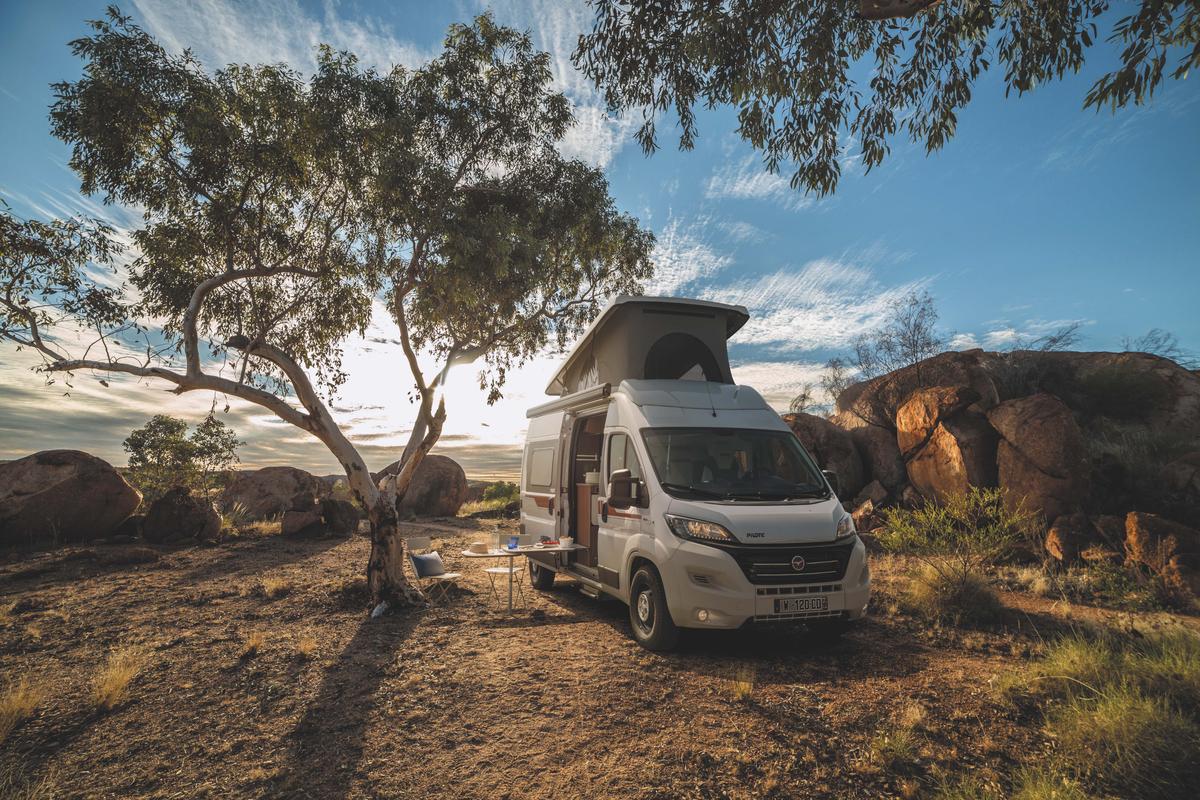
point(652, 338)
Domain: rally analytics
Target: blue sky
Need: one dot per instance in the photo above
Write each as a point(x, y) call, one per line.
point(1036, 214)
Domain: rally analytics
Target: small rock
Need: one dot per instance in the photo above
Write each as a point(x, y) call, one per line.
point(178, 516)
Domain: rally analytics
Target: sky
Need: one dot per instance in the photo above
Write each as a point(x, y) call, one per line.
point(1035, 215)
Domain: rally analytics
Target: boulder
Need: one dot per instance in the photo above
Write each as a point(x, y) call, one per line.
point(1041, 459)
point(1166, 548)
point(130, 528)
point(302, 523)
point(1181, 477)
point(1069, 537)
point(832, 447)
point(268, 492)
point(925, 409)
point(873, 492)
point(178, 516)
point(340, 517)
point(438, 489)
point(864, 516)
point(62, 495)
point(879, 453)
point(876, 401)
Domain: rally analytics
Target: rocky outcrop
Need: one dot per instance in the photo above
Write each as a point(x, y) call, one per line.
point(62, 496)
point(268, 492)
point(947, 448)
point(438, 489)
point(178, 516)
point(1069, 537)
point(1041, 458)
point(879, 454)
point(833, 449)
point(877, 400)
point(1167, 548)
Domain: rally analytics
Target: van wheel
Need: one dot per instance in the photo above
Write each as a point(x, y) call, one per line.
point(540, 577)
point(649, 617)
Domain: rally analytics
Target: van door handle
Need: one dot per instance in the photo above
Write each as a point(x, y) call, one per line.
point(604, 511)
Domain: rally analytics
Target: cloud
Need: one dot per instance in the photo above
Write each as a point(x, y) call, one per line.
point(683, 258)
point(743, 232)
point(224, 32)
point(824, 304)
point(779, 381)
point(750, 180)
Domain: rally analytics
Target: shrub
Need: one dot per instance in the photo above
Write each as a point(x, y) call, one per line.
point(1041, 784)
point(1129, 744)
point(18, 702)
point(252, 644)
point(502, 490)
point(162, 455)
point(1122, 393)
point(952, 594)
point(110, 687)
point(235, 518)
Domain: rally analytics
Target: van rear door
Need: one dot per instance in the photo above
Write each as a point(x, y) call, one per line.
point(538, 488)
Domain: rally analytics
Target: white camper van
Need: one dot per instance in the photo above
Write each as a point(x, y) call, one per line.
point(690, 498)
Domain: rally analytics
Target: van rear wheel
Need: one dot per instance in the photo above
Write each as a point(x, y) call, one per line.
point(649, 616)
point(540, 577)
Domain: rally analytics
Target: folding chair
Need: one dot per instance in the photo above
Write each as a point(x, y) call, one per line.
point(510, 573)
point(429, 573)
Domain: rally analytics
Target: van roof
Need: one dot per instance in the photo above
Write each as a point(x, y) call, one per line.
point(735, 318)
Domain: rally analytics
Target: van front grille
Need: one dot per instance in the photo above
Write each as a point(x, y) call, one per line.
point(777, 565)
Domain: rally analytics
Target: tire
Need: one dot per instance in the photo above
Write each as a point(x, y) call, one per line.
point(829, 630)
point(541, 578)
point(649, 616)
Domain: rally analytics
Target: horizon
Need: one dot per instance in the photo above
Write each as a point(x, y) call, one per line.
point(1035, 215)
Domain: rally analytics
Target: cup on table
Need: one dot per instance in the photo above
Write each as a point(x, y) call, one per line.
point(514, 542)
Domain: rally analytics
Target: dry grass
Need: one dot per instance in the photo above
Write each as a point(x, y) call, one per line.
point(897, 747)
point(110, 687)
point(17, 704)
point(947, 594)
point(743, 682)
point(262, 527)
point(15, 784)
point(272, 587)
point(1039, 784)
point(306, 646)
point(254, 642)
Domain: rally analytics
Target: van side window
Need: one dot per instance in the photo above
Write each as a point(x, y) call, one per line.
point(621, 455)
point(539, 468)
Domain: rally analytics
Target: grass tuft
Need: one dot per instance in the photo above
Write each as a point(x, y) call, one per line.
point(306, 647)
point(110, 687)
point(743, 683)
point(17, 704)
point(1039, 784)
point(948, 594)
point(272, 587)
point(1128, 744)
point(16, 784)
point(254, 642)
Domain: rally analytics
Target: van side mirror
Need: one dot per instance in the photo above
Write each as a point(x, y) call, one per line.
point(620, 488)
point(832, 477)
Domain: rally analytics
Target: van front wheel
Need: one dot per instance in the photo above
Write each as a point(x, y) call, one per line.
point(649, 617)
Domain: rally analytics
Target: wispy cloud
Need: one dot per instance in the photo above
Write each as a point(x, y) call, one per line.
point(824, 304)
point(748, 179)
point(1004, 335)
point(224, 32)
point(740, 231)
point(780, 381)
point(683, 258)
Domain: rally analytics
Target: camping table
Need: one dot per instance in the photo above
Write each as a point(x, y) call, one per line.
point(511, 555)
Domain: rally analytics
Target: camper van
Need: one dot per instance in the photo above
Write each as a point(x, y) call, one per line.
point(687, 496)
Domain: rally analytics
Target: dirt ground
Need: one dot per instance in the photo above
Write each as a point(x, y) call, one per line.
point(463, 701)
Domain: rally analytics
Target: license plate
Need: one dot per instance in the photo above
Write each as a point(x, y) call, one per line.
point(796, 605)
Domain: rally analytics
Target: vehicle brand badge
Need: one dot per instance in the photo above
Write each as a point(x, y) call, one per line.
point(798, 563)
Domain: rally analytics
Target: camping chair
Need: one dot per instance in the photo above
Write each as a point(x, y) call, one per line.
point(511, 573)
point(429, 573)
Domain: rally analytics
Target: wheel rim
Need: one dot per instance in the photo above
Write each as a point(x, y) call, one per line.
point(644, 609)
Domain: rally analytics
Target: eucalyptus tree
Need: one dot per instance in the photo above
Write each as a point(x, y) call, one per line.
point(808, 77)
point(277, 211)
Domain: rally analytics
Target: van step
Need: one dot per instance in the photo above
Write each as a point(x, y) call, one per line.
point(590, 591)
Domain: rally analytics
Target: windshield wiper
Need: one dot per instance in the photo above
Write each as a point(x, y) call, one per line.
point(685, 487)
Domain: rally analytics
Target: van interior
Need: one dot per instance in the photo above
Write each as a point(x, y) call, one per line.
point(586, 444)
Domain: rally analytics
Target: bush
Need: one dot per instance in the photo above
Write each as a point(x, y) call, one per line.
point(951, 594)
point(1122, 393)
point(506, 491)
point(162, 455)
point(18, 702)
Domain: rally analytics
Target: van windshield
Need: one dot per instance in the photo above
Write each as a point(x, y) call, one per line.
point(733, 464)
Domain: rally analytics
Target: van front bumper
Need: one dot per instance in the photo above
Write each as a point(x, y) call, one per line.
point(706, 588)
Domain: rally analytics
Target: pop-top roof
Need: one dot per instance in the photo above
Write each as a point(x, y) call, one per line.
point(627, 325)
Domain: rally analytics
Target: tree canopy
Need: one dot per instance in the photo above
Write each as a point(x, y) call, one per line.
point(279, 211)
point(815, 81)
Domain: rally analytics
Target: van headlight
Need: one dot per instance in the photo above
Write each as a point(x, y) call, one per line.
point(688, 528)
point(845, 528)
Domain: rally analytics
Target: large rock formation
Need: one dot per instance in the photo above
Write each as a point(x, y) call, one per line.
point(833, 449)
point(178, 516)
point(62, 495)
point(947, 447)
point(268, 492)
point(877, 400)
point(1041, 458)
point(438, 489)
